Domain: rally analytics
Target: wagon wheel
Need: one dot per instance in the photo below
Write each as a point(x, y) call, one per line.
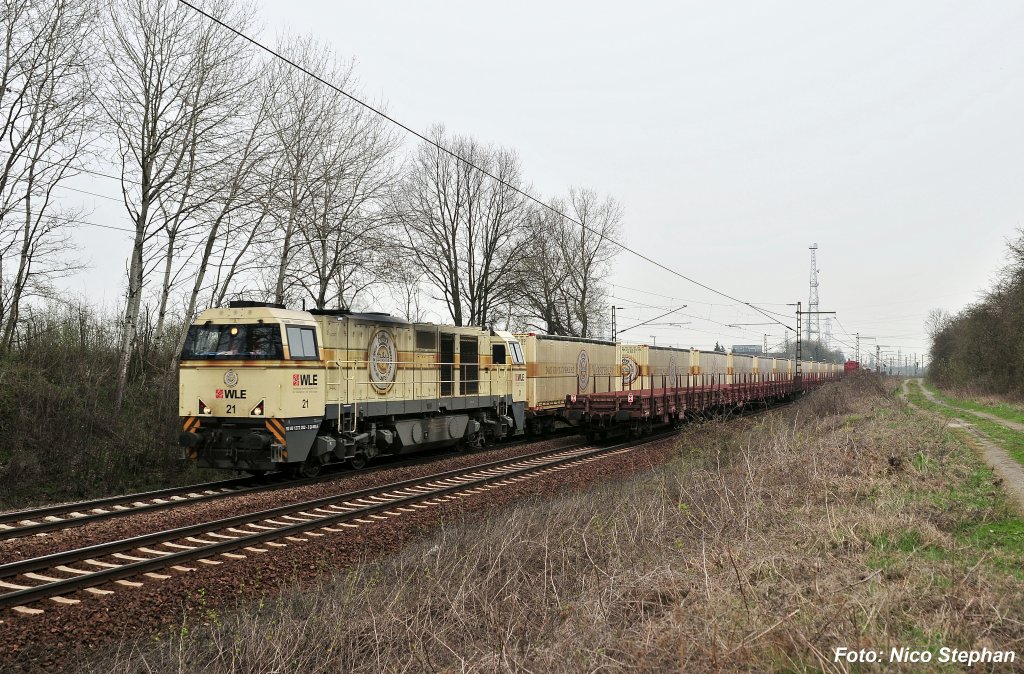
point(358, 461)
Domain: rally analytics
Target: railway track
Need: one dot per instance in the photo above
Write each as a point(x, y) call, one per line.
point(29, 586)
point(21, 523)
point(16, 524)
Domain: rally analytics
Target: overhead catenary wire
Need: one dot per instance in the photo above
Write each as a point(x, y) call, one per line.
point(456, 156)
point(76, 221)
point(683, 299)
point(693, 316)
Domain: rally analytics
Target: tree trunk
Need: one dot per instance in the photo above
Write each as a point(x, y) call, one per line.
point(131, 313)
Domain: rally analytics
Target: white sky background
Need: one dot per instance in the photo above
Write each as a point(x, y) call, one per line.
point(733, 134)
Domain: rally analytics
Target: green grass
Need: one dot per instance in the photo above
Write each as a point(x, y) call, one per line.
point(987, 524)
point(1003, 411)
point(1010, 440)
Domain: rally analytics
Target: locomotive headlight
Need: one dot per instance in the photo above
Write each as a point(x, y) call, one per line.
point(258, 410)
point(204, 408)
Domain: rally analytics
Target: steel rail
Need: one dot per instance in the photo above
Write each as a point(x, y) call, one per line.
point(226, 488)
point(65, 508)
point(167, 559)
point(102, 549)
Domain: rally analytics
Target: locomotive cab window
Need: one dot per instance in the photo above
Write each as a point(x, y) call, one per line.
point(302, 343)
point(498, 356)
point(228, 342)
point(517, 353)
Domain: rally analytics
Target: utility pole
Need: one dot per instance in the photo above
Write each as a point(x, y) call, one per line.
point(799, 345)
point(878, 358)
point(614, 331)
point(764, 349)
point(798, 374)
point(857, 351)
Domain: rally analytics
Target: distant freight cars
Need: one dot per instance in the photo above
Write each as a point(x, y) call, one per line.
point(264, 388)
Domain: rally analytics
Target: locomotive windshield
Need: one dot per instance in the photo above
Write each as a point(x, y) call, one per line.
point(247, 341)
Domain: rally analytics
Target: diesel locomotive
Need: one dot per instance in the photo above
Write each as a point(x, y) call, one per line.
point(264, 388)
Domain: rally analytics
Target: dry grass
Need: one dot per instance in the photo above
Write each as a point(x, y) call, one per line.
point(843, 521)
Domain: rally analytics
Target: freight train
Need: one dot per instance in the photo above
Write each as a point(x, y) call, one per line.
point(264, 388)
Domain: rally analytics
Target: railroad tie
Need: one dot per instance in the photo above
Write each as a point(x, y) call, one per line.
point(25, 610)
point(129, 583)
point(39, 576)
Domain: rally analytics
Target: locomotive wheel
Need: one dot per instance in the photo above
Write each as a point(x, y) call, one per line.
point(309, 468)
point(357, 461)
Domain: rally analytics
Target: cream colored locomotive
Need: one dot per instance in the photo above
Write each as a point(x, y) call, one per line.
point(264, 388)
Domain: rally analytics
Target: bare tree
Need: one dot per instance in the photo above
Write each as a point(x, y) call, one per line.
point(344, 227)
point(561, 275)
point(334, 169)
point(936, 321)
point(462, 226)
point(173, 78)
point(236, 201)
point(406, 293)
point(304, 112)
point(46, 121)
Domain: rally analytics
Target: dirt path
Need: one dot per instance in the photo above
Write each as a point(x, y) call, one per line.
point(1012, 425)
point(995, 456)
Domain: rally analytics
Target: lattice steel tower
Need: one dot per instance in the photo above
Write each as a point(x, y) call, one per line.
point(813, 325)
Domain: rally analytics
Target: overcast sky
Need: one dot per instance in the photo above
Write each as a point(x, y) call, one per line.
point(733, 134)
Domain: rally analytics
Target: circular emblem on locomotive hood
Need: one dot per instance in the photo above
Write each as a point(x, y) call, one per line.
point(382, 361)
point(583, 370)
point(230, 378)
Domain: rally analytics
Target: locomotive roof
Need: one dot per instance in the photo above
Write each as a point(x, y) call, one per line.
point(252, 312)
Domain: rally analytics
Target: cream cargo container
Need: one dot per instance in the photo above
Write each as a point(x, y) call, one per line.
point(640, 362)
point(742, 366)
point(562, 366)
point(710, 364)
